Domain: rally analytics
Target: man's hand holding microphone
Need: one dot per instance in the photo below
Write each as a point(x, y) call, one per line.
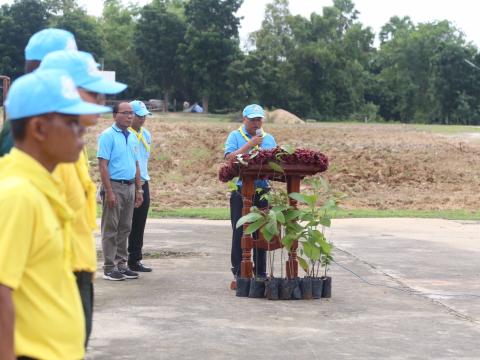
point(257, 139)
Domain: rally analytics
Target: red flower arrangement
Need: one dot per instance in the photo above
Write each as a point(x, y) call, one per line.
point(277, 155)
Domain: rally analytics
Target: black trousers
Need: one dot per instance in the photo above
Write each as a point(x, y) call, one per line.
point(259, 256)
point(85, 287)
point(135, 239)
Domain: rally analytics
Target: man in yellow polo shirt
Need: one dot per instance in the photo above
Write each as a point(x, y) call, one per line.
point(40, 310)
point(77, 185)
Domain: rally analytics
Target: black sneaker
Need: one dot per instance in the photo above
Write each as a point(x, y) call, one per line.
point(128, 274)
point(138, 266)
point(114, 275)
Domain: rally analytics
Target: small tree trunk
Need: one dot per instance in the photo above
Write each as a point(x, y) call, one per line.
point(205, 103)
point(165, 102)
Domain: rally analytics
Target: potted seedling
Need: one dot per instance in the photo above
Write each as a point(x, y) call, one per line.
point(314, 246)
point(278, 201)
point(317, 250)
point(265, 221)
point(270, 222)
point(294, 226)
point(282, 221)
point(326, 280)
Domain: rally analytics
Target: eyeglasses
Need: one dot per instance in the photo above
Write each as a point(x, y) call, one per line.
point(126, 113)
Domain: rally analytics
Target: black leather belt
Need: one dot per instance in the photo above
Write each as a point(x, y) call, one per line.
point(125, 182)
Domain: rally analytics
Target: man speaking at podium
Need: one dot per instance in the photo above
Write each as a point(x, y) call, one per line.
point(250, 136)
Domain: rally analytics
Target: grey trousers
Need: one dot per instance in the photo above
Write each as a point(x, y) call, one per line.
point(116, 226)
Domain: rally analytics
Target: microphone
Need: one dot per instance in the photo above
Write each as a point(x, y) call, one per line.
point(259, 132)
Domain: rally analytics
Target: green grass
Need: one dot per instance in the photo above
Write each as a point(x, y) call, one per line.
point(195, 213)
point(183, 117)
point(200, 213)
point(173, 117)
point(224, 214)
point(448, 129)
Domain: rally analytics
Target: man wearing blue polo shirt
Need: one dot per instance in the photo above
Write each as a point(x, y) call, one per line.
point(248, 137)
point(135, 239)
point(122, 191)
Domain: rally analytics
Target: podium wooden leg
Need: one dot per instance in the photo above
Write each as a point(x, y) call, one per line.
point(246, 267)
point(293, 185)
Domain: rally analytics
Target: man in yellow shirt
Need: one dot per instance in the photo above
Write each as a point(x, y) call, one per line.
point(77, 185)
point(40, 309)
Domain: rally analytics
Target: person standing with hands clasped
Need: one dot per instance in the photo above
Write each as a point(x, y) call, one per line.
point(250, 136)
point(135, 239)
point(121, 191)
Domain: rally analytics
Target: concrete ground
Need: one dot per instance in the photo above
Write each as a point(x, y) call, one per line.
point(423, 300)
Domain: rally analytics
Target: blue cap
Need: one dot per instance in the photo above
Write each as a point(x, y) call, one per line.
point(47, 40)
point(45, 91)
point(139, 108)
point(253, 111)
point(83, 69)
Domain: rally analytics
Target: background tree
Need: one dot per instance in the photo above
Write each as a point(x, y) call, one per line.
point(85, 28)
point(18, 22)
point(322, 67)
point(117, 28)
point(394, 26)
point(423, 74)
point(273, 45)
point(274, 39)
point(211, 44)
point(158, 36)
point(320, 64)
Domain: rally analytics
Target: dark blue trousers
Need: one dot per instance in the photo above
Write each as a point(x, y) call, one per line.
point(259, 256)
point(135, 239)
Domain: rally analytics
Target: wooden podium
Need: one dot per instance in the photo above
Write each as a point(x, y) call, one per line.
point(292, 176)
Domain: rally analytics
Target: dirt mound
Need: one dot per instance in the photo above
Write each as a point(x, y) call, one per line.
point(281, 116)
point(377, 166)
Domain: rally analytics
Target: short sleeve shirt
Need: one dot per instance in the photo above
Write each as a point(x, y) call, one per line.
point(120, 148)
point(235, 141)
point(83, 241)
point(144, 153)
point(49, 321)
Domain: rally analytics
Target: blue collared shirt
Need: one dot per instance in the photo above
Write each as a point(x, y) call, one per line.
point(235, 141)
point(121, 150)
point(144, 154)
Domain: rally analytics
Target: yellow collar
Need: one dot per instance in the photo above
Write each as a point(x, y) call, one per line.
point(19, 163)
point(140, 137)
point(244, 135)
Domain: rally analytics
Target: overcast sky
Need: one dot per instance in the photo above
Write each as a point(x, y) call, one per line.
point(374, 13)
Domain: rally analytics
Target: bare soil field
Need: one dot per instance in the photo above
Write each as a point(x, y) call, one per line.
point(379, 166)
